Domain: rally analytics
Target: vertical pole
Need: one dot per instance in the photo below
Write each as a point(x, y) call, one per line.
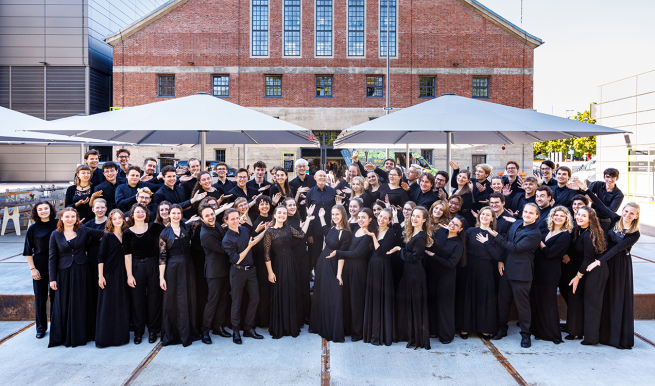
point(203, 151)
point(449, 140)
point(388, 80)
point(406, 158)
point(81, 153)
point(245, 156)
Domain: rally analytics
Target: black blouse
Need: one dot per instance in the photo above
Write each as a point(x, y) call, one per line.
point(415, 248)
point(489, 250)
point(398, 196)
point(111, 253)
point(62, 252)
point(385, 245)
point(144, 245)
point(172, 245)
point(447, 251)
point(358, 249)
point(38, 239)
point(280, 238)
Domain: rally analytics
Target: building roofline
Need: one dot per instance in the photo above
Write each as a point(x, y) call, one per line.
point(169, 6)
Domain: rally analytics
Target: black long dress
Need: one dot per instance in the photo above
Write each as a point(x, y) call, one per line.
point(113, 317)
point(303, 269)
point(36, 245)
point(92, 252)
point(265, 287)
point(178, 324)
point(286, 306)
point(617, 322)
point(583, 248)
point(73, 318)
point(447, 254)
point(379, 304)
point(412, 298)
point(326, 319)
point(543, 295)
point(198, 258)
point(354, 284)
point(477, 311)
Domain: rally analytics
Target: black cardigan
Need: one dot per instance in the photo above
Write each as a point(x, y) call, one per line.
point(62, 255)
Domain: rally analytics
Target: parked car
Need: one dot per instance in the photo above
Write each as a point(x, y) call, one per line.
point(587, 172)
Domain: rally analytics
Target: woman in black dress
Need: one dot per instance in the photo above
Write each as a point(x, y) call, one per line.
point(326, 319)
point(163, 213)
point(461, 183)
point(73, 318)
point(177, 280)
point(547, 270)
point(439, 215)
point(113, 317)
point(98, 222)
point(411, 300)
point(264, 205)
point(141, 247)
point(355, 265)
point(448, 250)
point(281, 189)
point(379, 304)
point(354, 207)
point(302, 259)
point(617, 324)
point(587, 288)
point(79, 194)
point(372, 185)
point(392, 192)
point(477, 311)
point(35, 251)
point(286, 307)
point(357, 191)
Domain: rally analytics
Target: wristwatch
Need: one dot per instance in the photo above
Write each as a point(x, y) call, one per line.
point(579, 275)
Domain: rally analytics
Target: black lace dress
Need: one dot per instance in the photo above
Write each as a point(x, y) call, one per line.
point(75, 194)
point(178, 324)
point(327, 305)
point(286, 305)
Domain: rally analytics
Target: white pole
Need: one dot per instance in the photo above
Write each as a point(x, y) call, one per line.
point(203, 151)
point(81, 153)
point(449, 140)
point(388, 80)
point(406, 158)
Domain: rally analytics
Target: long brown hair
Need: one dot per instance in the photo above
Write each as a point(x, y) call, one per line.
point(373, 225)
point(60, 223)
point(197, 187)
point(34, 214)
point(434, 223)
point(159, 219)
point(109, 225)
point(408, 232)
point(82, 167)
point(285, 189)
point(597, 234)
point(344, 217)
point(494, 220)
point(465, 189)
point(462, 236)
point(130, 220)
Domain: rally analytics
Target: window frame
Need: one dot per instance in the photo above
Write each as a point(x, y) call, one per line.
point(159, 85)
point(348, 31)
point(284, 29)
point(473, 87)
point(433, 87)
point(381, 86)
point(331, 86)
point(265, 85)
point(316, 30)
point(228, 85)
point(394, 16)
point(252, 29)
point(216, 157)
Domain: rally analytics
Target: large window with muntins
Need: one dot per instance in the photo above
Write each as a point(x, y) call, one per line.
point(259, 28)
point(480, 87)
point(355, 27)
point(374, 87)
point(323, 27)
point(273, 86)
point(324, 86)
point(221, 86)
point(426, 87)
point(291, 27)
point(392, 27)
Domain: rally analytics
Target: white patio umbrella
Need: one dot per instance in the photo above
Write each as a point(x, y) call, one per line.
point(191, 120)
point(452, 119)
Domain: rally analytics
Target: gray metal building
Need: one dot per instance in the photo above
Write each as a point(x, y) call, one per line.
point(54, 62)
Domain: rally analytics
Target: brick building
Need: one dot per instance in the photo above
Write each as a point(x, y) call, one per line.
point(321, 64)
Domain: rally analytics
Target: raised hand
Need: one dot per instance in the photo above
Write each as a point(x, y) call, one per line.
point(404, 186)
point(185, 179)
point(82, 202)
point(263, 188)
point(145, 177)
point(304, 190)
point(198, 196)
point(96, 194)
point(492, 232)
point(509, 218)
point(321, 212)
point(354, 157)
point(474, 213)
point(223, 198)
point(480, 187)
point(386, 201)
point(506, 190)
point(338, 199)
point(454, 165)
point(276, 198)
point(369, 166)
point(442, 194)
point(311, 209)
point(347, 190)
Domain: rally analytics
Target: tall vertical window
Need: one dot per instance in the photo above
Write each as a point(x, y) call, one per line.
point(392, 27)
point(166, 85)
point(273, 86)
point(259, 27)
point(355, 27)
point(323, 27)
point(220, 155)
point(426, 87)
point(374, 86)
point(323, 86)
point(221, 86)
point(480, 87)
point(292, 27)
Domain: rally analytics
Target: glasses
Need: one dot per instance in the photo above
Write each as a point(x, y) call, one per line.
point(510, 168)
point(393, 175)
point(242, 177)
point(455, 204)
point(123, 156)
point(545, 169)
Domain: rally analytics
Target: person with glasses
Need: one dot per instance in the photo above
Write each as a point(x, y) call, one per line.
point(440, 182)
point(547, 168)
point(223, 184)
point(123, 156)
point(512, 182)
point(392, 192)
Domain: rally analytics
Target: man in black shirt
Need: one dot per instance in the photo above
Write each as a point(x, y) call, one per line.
point(497, 203)
point(189, 182)
point(512, 181)
point(608, 193)
point(521, 242)
point(425, 195)
point(562, 193)
point(149, 173)
point(123, 156)
point(519, 201)
point(108, 187)
point(126, 193)
point(223, 184)
point(323, 196)
point(547, 168)
point(172, 193)
point(440, 183)
point(542, 198)
point(91, 158)
point(259, 182)
point(237, 244)
point(217, 269)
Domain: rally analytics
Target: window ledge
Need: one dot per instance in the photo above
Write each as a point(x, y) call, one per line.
point(375, 97)
point(426, 97)
point(474, 97)
point(324, 96)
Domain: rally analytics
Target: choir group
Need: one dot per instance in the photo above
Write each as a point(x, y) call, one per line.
point(393, 256)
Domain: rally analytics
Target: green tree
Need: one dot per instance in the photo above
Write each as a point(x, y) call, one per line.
point(581, 146)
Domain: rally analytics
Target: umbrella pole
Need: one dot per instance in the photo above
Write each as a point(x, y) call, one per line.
point(449, 140)
point(406, 157)
point(203, 152)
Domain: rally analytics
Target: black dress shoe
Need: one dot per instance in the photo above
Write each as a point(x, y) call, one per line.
point(137, 338)
point(152, 338)
point(252, 334)
point(485, 336)
point(584, 342)
point(410, 344)
point(206, 339)
point(558, 341)
point(499, 335)
point(222, 333)
point(433, 335)
point(570, 337)
point(40, 335)
point(463, 335)
point(525, 342)
point(355, 339)
point(236, 338)
point(446, 341)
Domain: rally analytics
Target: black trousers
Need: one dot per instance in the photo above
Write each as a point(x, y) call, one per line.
point(147, 296)
point(214, 315)
point(593, 302)
point(316, 248)
point(519, 291)
point(41, 292)
point(241, 280)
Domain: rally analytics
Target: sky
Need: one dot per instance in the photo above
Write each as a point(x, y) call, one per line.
point(586, 44)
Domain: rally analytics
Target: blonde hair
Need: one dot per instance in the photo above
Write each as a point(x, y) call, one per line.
point(494, 219)
point(359, 179)
point(408, 232)
point(486, 167)
point(634, 227)
point(144, 190)
point(238, 201)
point(344, 217)
point(568, 225)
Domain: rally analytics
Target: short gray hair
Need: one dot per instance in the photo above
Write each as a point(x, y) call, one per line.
point(301, 161)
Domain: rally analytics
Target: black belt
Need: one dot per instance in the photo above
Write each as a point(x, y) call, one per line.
point(246, 268)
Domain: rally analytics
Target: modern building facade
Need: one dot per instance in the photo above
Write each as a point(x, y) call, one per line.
point(629, 104)
point(322, 64)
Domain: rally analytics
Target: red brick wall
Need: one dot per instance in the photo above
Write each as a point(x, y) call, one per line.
point(432, 34)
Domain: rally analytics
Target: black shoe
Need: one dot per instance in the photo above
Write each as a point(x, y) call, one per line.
point(558, 341)
point(252, 334)
point(410, 344)
point(206, 339)
point(464, 335)
point(236, 338)
point(152, 338)
point(137, 338)
point(570, 337)
point(525, 342)
point(485, 336)
point(446, 341)
point(433, 336)
point(562, 327)
point(222, 333)
point(518, 324)
point(584, 342)
point(499, 335)
point(40, 335)
point(355, 339)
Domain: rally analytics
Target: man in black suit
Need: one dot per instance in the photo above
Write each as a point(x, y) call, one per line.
point(223, 184)
point(108, 186)
point(217, 269)
point(172, 193)
point(521, 242)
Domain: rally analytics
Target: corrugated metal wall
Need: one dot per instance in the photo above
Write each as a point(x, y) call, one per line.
point(99, 91)
point(65, 92)
point(27, 91)
point(38, 163)
point(4, 87)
